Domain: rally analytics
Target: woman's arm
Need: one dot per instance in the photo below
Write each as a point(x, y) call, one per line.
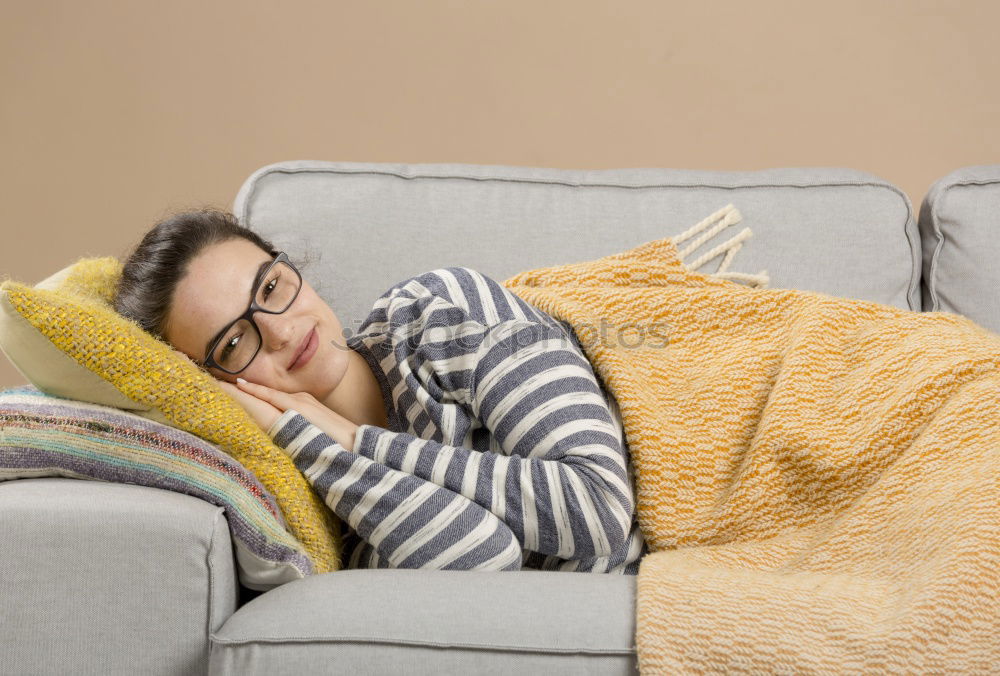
point(558, 476)
point(409, 522)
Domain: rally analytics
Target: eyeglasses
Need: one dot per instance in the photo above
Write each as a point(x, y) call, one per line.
point(236, 346)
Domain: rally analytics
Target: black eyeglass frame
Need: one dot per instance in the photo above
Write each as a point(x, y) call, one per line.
point(209, 360)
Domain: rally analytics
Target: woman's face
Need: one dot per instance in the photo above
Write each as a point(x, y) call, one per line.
point(217, 289)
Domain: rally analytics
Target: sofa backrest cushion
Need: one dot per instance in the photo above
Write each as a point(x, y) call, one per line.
point(366, 226)
point(959, 228)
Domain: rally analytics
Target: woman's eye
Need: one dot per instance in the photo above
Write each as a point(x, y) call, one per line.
point(230, 346)
point(269, 287)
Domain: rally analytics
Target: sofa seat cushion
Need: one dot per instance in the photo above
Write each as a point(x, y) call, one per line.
point(398, 620)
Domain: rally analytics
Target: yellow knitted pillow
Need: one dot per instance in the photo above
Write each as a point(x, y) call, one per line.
point(65, 337)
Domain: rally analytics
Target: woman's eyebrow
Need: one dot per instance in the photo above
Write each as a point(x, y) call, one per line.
point(259, 275)
point(253, 289)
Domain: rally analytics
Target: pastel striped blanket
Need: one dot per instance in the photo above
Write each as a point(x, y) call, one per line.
point(817, 478)
point(42, 435)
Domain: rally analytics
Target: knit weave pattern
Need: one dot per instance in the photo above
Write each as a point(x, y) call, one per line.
point(78, 318)
point(818, 478)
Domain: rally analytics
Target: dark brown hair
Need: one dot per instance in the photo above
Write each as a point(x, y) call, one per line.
point(152, 271)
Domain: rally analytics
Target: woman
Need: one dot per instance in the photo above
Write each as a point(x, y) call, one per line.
point(460, 428)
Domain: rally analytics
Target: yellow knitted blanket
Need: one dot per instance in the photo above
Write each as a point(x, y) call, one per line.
point(817, 478)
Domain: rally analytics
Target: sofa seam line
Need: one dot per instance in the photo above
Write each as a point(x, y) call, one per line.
point(826, 184)
point(366, 640)
point(938, 246)
point(212, 582)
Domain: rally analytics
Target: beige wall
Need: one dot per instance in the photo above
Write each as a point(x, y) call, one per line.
point(113, 113)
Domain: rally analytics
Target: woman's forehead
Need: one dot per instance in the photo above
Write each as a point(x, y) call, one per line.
point(215, 289)
point(229, 264)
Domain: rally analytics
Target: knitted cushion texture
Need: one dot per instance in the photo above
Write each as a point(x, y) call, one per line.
point(77, 316)
point(817, 478)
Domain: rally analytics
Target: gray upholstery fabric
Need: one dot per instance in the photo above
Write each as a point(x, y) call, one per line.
point(959, 227)
point(106, 578)
point(403, 621)
point(368, 226)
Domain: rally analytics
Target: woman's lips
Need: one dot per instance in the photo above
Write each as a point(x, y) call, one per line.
point(312, 342)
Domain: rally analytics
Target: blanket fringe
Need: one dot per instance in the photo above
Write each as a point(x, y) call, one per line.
point(726, 216)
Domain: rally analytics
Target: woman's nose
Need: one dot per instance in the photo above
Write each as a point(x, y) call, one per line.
point(275, 330)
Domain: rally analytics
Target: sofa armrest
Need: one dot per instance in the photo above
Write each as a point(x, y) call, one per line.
point(110, 578)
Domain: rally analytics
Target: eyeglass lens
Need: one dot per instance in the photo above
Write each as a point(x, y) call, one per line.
point(275, 294)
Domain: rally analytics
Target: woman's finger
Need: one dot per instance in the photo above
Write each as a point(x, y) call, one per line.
point(268, 394)
point(263, 412)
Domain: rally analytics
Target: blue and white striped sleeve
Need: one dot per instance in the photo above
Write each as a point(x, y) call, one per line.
point(409, 522)
point(558, 476)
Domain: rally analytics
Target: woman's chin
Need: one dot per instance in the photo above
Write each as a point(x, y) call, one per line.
point(332, 373)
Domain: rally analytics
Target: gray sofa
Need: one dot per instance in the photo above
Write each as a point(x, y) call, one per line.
point(104, 578)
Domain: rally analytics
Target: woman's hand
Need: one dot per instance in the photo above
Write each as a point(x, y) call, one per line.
point(266, 404)
point(263, 413)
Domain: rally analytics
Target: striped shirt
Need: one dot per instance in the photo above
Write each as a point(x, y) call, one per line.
point(504, 450)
